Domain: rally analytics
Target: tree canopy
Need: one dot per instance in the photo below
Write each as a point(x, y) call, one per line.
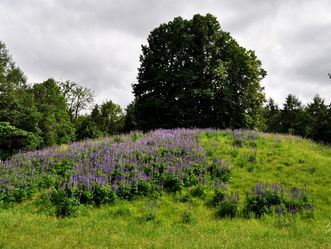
point(55, 121)
point(77, 97)
point(193, 74)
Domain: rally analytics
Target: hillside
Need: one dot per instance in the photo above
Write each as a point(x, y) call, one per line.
point(169, 189)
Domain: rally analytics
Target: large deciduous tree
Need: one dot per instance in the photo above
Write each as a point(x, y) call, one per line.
point(13, 140)
point(105, 119)
point(55, 122)
point(19, 117)
point(193, 74)
point(78, 97)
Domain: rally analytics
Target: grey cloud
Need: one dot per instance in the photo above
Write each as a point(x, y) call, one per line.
point(97, 43)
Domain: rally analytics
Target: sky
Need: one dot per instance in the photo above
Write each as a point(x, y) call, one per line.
point(97, 43)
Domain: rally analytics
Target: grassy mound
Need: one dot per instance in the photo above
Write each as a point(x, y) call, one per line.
point(170, 189)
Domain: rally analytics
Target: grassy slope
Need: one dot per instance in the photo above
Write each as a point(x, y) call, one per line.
point(283, 159)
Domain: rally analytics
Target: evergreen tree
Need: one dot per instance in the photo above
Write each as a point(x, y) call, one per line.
point(294, 119)
point(272, 116)
point(318, 118)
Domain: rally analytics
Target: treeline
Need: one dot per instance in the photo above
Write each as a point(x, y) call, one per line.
point(48, 113)
point(311, 121)
point(191, 74)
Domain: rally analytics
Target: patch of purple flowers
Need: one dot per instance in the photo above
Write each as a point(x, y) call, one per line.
point(265, 198)
point(114, 162)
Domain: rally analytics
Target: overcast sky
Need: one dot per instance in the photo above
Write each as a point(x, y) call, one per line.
point(97, 43)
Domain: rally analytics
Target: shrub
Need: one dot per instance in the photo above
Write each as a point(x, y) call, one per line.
point(199, 191)
point(125, 192)
point(83, 195)
point(218, 197)
point(144, 188)
point(229, 207)
point(268, 199)
point(64, 204)
point(103, 195)
point(172, 183)
point(220, 170)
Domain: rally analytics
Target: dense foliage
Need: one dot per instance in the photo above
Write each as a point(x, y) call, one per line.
point(273, 198)
point(54, 123)
point(312, 120)
point(47, 113)
point(77, 97)
point(193, 74)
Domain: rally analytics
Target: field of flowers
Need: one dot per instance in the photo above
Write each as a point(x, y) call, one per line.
point(96, 172)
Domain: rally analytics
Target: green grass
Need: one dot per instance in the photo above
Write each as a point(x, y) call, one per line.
point(144, 223)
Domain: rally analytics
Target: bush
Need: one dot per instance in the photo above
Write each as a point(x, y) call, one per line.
point(144, 188)
point(83, 195)
point(67, 207)
point(103, 195)
point(229, 207)
point(172, 183)
point(126, 192)
point(268, 199)
point(64, 205)
point(218, 197)
point(199, 191)
point(220, 170)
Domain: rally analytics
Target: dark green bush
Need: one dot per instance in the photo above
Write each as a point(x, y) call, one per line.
point(65, 205)
point(144, 188)
point(126, 192)
point(220, 170)
point(171, 183)
point(268, 199)
point(218, 197)
point(83, 195)
point(199, 191)
point(229, 207)
point(103, 195)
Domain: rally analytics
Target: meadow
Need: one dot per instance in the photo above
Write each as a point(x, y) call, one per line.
point(169, 189)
